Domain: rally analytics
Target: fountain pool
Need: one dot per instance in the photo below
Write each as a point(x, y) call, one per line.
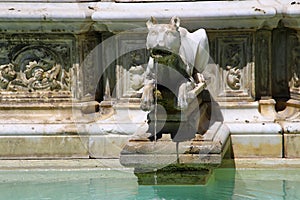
point(225, 183)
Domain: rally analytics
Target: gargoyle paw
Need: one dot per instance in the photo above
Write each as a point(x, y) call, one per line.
point(183, 96)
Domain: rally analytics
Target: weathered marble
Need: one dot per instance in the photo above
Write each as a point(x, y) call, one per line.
point(41, 147)
point(107, 146)
point(291, 145)
point(257, 146)
point(52, 56)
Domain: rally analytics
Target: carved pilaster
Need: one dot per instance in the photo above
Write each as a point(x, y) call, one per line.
point(281, 54)
point(263, 77)
point(107, 66)
point(294, 75)
point(89, 65)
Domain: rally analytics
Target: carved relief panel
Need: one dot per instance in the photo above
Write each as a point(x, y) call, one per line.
point(232, 53)
point(131, 64)
point(35, 65)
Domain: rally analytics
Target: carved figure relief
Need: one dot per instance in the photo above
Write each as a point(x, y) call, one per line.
point(35, 77)
point(136, 70)
point(233, 78)
point(7, 74)
point(136, 77)
point(33, 68)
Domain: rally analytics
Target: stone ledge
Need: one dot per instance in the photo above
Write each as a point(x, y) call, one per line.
point(250, 14)
point(43, 147)
point(37, 17)
point(32, 129)
point(62, 164)
point(61, 146)
point(34, 11)
point(257, 146)
point(253, 163)
point(256, 128)
point(114, 164)
point(79, 16)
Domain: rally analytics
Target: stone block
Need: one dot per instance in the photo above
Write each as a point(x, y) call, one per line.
point(107, 146)
point(42, 147)
point(257, 146)
point(292, 145)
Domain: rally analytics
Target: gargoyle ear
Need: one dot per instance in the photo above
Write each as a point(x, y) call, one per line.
point(150, 22)
point(175, 21)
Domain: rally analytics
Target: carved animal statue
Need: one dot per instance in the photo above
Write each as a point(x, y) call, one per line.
point(173, 46)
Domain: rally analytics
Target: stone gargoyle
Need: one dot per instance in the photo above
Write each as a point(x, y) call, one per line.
point(175, 47)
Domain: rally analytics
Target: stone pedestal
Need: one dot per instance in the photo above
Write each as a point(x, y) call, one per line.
point(153, 160)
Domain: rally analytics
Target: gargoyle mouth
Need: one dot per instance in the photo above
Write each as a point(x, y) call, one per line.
point(158, 52)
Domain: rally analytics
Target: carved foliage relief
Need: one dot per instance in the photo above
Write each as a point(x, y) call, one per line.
point(233, 54)
point(34, 65)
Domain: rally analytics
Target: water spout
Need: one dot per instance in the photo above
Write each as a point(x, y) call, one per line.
point(177, 152)
point(155, 100)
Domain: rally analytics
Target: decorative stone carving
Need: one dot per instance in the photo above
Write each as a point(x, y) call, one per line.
point(36, 77)
point(234, 58)
point(34, 65)
point(131, 65)
point(233, 61)
point(7, 74)
point(135, 73)
point(136, 77)
point(234, 78)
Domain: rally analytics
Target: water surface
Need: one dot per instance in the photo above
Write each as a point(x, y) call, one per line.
point(112, 184)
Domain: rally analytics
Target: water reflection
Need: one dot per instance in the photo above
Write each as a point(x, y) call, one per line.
point(220, 186)
point(94, 185)
point(267, 184)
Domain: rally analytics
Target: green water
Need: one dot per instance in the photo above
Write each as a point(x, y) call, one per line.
point(103, 184)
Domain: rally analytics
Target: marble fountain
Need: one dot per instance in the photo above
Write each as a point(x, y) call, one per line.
point(73, 76)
